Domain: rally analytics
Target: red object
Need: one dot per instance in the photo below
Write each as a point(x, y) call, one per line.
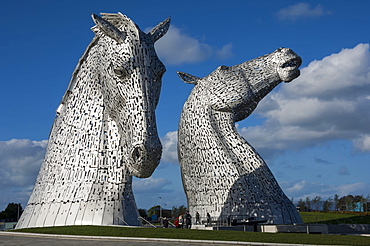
point(176, 223)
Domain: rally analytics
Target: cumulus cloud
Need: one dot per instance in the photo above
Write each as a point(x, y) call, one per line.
point(362, 142)
point(150, 185)
point(301, 10)
point(169, 143)
point(303, 189)
point(329, 101)
point(225, 52)
point(20, 162)
point(177, 47)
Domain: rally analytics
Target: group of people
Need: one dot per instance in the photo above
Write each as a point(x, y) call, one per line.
point(184, 220)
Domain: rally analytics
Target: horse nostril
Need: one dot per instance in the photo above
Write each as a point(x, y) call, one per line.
point(136, 153)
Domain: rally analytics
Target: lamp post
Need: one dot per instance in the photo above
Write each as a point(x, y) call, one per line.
point(160, 209)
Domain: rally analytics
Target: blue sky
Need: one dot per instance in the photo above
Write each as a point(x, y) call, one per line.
point(314, 133)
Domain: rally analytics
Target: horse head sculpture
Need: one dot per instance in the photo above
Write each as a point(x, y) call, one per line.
point(131, 82)
point(222, 174)
point(105, 131)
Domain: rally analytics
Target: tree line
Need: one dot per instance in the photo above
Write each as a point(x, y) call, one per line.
point(345, 203)
point(11, 213)
point(175, 211)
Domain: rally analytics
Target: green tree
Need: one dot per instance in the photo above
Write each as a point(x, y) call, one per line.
point(153, 210)
point(302, 205)
point(12, 212)
point(143, 213)
point(176, 211)
point(336, 201)
point(342, 204)
point(316, 202)
point(347, 203)
point(327, 204)
point(308, 204)
point(350, 203)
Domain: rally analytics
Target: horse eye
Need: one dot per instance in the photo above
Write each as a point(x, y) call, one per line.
point(121, 72)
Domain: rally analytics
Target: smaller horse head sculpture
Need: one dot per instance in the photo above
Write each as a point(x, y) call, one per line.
point(239, 88)
point(130, 74)
point(222, 174)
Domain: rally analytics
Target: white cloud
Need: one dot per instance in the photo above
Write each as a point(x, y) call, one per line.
point(303, 189)
point(20, 161)
point(354, 189)
point(225, 52)
point(169, 143)
point(177, 47)
point(362, 142)
point(329, 101)
point(150, 185)
point(301, 10)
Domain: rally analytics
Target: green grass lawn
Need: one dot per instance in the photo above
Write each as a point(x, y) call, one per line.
point(203, 235)
point(334, 218)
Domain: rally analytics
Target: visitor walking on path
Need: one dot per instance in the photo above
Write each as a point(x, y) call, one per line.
point(208, 219)
point(188, 220)
point(197, 218)
point(165, 222)
point(181, 222)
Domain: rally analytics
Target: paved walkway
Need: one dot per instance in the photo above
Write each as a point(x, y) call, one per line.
point(33, 239)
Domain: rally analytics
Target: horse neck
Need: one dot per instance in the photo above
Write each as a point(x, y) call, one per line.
point(217, 129)
point(224, 124)
point(83, 131)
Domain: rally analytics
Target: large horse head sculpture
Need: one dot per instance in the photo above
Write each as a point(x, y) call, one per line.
point(105, 131)
point(130, 74)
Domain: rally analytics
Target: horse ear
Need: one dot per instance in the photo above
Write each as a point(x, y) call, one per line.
point(108, 29)
point(188, 78)
point(161, 29)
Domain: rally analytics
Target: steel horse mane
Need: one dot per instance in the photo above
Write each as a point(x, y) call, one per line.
point(222, 174)
point(104, 132)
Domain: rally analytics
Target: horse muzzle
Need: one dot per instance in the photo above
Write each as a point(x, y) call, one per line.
point(145, 157)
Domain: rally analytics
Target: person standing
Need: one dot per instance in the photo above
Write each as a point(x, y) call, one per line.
point(165, 222)
point(176, 223)
point(181, 222)
point(197, 218)
point(208, 219)
point(188, 220)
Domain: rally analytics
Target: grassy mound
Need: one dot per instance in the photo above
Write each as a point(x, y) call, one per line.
point(335, 218)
